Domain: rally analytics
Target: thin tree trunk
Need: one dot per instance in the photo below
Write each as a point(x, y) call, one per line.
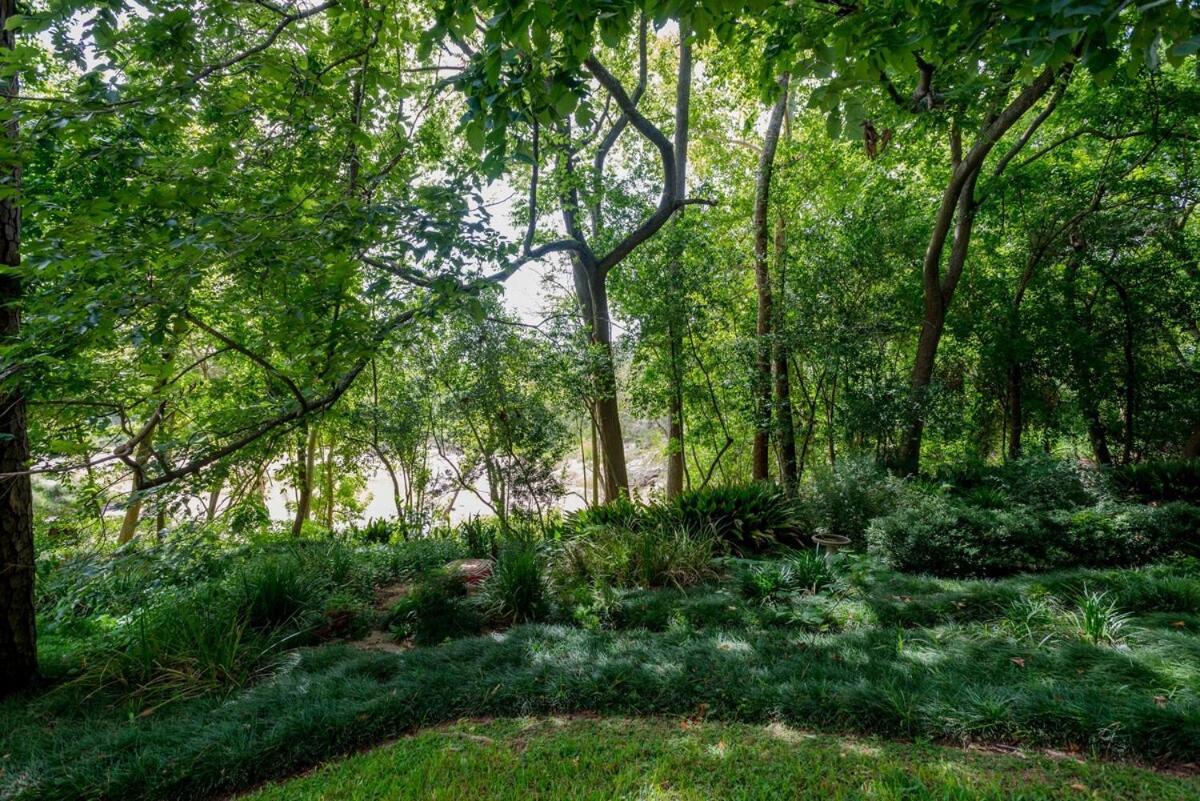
point(956, 210)
point(133, 509)
point(1016, 412)
point(676, 464)
point(1130, 373)
point(1089, 405)
point(329, 501)
point(762, 281)
point(214, 498)
point(595, 462)
point(938, 292)
point(18, 637)
point(785, 426)
point(306, 458)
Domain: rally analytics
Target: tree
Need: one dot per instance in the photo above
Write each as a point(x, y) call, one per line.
point(18, 643)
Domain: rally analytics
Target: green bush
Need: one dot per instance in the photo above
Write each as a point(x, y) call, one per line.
point(275, 591)
point(481, 536)
point(377, 531)
point(947, 536)
point(621, 513)
point(436, 610)
point(843, 500)
point(1040, 481)
point(516, 591)
point(410, 560)
point(661, 556)
point(1168, 480)
point(778, 579)
point(747, 518)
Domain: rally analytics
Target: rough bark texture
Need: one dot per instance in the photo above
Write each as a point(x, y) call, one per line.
point(762, 281)
point(1016, 412)
point(18, 648)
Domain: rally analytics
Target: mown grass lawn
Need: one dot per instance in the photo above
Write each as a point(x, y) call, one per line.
point(622, 758)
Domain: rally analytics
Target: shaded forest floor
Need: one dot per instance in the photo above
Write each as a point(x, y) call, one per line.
point(1004, 663)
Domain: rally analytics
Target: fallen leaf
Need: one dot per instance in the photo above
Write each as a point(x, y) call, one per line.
point(1160, 701)
point(1080, 787)
point(1018, 661)
point(1179, 624)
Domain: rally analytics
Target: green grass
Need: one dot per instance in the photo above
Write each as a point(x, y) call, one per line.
point(879, 654)
point(619, 758)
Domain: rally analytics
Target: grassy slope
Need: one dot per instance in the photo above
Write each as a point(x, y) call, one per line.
point(912, 658)
point(658, 759)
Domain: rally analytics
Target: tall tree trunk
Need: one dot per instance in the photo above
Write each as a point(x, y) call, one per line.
point(938, 291)
point(1016, 412)
point(1016, 401)
point(1127, 350)
point(608, 413)
point(675, 444)
point(1089, 404)
point(676, 466)
point(305, 464)
point(595, 462)
point(957, 210)
point(762, 282)
point(18, 637)
point(786, 428)
point(329, 500)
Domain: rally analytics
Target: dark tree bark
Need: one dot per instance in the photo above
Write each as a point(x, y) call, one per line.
point(591, 270)
point(956, 211)
point(1191, 448)
point(18, 637)
point(760, 454)
point(785, 427)
point(676, 465)
point(1081, 357)
point(1127, 350)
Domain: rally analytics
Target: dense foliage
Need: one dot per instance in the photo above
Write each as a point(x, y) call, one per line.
point(372, 364)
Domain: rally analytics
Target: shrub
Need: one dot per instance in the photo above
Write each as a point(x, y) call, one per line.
point(377, 531)
point(747, 518)
point(481, 536)
point(943, 536)
point(193, 643)
point(274, 592)
point(844, 499)
point(946, 536)
point(656, 557)
point(1168, 480)
point(411, 560)
point(436, 610)
point(798, 572)
point(516, 590)
point(1039, 481)
point(621, 513)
